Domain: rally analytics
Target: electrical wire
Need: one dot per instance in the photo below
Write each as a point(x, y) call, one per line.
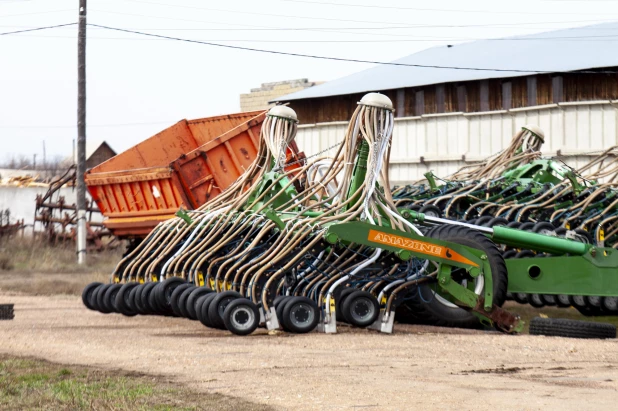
point(37, 29)
point(283, 53)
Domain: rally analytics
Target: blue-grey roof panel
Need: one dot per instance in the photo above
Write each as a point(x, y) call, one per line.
point(555, 51)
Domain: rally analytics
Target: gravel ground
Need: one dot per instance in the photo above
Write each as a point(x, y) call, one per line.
point(416, 367)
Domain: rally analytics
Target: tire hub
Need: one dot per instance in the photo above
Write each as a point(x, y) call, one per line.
point(301, 314)
point(242, 317)
point(223, 305)
point(361, 308)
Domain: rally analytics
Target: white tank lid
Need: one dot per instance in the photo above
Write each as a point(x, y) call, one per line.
point(536, 130)
point(377, 100)
point(283, 112)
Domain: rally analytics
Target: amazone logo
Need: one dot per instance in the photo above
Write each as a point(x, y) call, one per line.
point(403, 242)
point(418, 246)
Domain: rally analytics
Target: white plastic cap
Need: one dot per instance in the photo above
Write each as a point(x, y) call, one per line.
point(377, 100)
point(283, 112)
point(536, 130)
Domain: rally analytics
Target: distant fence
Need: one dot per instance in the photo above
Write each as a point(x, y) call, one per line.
point(445, 142)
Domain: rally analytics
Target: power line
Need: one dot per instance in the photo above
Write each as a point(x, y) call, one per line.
point(35, 12)
point(37, 29)
point(176, 6)
point(429, 9)
point(334, 58)
point(92, 125)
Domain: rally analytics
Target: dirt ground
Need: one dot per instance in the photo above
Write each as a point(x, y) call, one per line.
point(416, 367)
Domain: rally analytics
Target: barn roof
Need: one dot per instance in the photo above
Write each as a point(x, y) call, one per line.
point(555, 51)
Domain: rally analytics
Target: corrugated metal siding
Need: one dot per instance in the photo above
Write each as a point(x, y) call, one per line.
point(445, 142)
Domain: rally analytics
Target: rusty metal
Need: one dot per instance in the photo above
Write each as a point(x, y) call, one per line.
point(8, 229)
point(502, 319)
point(58, 219)
point(184, 165)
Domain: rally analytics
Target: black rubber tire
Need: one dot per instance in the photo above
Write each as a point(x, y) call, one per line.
point(526, 226)
point(182, 301)
point(587, 236)
point(498, 221)
point(153, 302)
point(536, 301)
point(543, 228)
point(577, 301)
point(562, 301)
point(434, 312)
point(131, 303)
point(191, 306)
point(122, 302)
point(431, 211)
point(279, 310)
point(217, 307)
point(201, 308)
point(241, 316)
point(483, 220)
point(175, 297)
point(278, 299)
point(87, 295)
point(364, 305)
point(137, 299)
point(109, 299)
point(610, 305)
point(549, 299)
point(593, 301)
point(513, 224)
point(509, 254)
point(143, 297)
point(163, 293)
point(291, 320)
point(560, 327)
point(339, 302)
point(100, 295)
point(521, 298)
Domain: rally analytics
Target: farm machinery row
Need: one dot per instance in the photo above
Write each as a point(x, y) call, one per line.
point(328, 241)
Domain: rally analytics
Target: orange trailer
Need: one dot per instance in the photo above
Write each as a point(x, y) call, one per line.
point(184, 165)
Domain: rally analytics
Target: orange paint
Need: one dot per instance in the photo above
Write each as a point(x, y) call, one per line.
point(418, 246)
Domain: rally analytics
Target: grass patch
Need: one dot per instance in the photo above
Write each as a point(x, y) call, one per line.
point(23, 254)
point(27, 384)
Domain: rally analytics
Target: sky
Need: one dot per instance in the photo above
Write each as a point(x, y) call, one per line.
point(138, 85)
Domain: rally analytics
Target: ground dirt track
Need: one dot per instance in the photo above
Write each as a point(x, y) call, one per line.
point(415, 368)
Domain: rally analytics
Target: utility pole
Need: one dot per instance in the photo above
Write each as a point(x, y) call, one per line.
point(81, 134)
point(44, 159)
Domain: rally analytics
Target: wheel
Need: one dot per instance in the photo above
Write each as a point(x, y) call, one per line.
point(563, 301)
point(584, 236)
point(360, 308)
point(175, 297)
point(279, 310)
point(498, 221)
point(338, 302)
point(241, 316)
point(201, 308)
point(153, 302)
point(191, 304)
point(544, 228)
point(437, 310)
point(521, 298)
point(559, 327)
point(217, 307)
point(278, 299)
point(549, 299)
point(163, 292)
point(483, 220)
point(137, 299)
point(513, 224)
point(109, 298)
point(592, 301)
point(526, 226)
point(430, 211)
point(87, 295)
point(182, 301)
point(577, 301)
point(509, 254)
point(123, 300)
point(535, 300)
point(144, 297)
point(301, 315)
point(100, 295)
point(610, 304)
